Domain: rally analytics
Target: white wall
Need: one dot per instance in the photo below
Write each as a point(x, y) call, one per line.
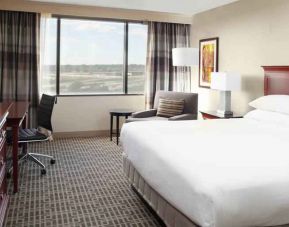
point(92, 11)
point(252, 33)
point(90, 113)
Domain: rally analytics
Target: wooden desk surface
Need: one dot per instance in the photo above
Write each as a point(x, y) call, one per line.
point(3, 111)
point(17, 110)
point(4, 106)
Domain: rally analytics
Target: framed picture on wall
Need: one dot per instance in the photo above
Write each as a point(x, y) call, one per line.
point(209, 51)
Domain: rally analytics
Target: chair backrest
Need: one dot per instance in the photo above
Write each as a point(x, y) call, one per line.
point(191, 100)
point(45, 109)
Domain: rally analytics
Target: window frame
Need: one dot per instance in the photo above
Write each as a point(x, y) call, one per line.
point(125, 54)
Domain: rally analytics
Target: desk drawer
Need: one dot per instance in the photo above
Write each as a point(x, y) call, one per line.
point(4, 198)
point(3, 208)
point(2, 152)
point(2, 138)
point(2, 175)
point(3, 190)
point(2, 162)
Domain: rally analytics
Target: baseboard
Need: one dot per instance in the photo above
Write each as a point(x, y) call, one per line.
point(81, 134)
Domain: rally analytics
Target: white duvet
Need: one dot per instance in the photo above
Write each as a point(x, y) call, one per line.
point(219, 173)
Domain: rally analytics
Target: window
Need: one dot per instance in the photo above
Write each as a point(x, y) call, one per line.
point(137, 39)
point(91, 57)
point(48, 55)
point(94, 57)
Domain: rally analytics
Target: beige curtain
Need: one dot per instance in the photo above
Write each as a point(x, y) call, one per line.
point(160, 73)
point(19, 57)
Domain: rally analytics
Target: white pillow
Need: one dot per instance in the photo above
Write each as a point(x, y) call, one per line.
point(268, 117)
point(275, 103)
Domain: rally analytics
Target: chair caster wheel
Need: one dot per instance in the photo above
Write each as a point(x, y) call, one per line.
point(43, 171)
point(52, 161)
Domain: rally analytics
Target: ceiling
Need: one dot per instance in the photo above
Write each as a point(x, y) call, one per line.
point(187, 7)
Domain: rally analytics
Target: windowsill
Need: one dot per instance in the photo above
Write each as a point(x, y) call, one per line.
point(85, 95)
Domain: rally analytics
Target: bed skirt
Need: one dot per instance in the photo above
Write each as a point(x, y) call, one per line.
point(169, 215)
point(166, 212)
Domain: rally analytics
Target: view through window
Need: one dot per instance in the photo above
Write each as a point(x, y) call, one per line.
point(48, 55)
point(95, 57)
point(137, 47)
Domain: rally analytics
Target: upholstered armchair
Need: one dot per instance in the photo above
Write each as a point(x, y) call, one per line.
point(190, 111)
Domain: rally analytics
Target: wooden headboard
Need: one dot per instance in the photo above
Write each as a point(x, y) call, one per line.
point(276, 81)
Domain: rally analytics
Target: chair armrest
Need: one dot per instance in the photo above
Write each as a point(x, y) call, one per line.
point(184, 117)
point(144, 114)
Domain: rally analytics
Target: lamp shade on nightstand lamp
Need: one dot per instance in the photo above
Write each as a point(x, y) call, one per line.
point(225, 82)
point(185, 56)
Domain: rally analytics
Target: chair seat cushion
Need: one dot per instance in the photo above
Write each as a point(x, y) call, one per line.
point(170, 107)
point(27, 135)
point(155, 118)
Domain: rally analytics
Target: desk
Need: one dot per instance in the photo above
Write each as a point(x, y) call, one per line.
point(17, 116)
point(4, 198)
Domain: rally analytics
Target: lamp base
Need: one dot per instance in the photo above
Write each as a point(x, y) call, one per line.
point(224, 113)
point(225, 104)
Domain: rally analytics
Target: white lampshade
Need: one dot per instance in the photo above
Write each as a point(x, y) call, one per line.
point(226, 81)
point(185, 56)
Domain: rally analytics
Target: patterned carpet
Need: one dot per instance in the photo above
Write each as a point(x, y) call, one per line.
point(85, 187)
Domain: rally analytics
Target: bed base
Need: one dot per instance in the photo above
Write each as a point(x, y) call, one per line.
point(169, 215)
point(160, 221)
point(165, 212)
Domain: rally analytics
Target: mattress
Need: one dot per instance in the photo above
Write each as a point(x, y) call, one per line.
point(169, 214)
point(218, 173)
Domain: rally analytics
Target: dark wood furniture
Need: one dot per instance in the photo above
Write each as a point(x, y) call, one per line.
point(276, 80)
point(214, 115)
point(4, 198)
point(18, 112)
point(117, 113)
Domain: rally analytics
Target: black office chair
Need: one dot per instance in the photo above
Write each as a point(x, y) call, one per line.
point(31, 135)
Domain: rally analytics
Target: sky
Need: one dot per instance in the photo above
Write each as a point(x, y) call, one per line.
point(94, 42)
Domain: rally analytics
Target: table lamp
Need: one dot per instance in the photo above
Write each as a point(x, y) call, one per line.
point(184, 57)
point(225, 82)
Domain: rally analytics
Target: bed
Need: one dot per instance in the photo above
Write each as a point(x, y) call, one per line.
point(216, 173)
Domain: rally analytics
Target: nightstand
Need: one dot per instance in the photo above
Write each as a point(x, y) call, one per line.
point(214, 115)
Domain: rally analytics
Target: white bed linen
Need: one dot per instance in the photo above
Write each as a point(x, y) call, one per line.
point(219, 173)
